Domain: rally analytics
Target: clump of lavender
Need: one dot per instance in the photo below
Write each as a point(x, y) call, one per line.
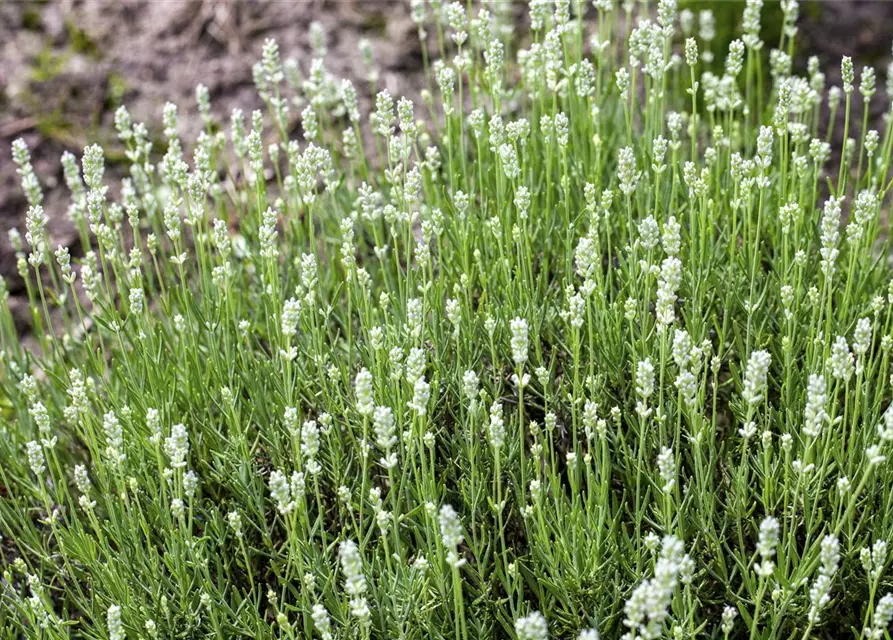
point(387, 367)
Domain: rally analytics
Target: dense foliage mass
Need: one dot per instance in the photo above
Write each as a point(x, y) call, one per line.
point(586, 350)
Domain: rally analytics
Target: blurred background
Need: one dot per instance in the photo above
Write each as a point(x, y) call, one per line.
point(68, 64)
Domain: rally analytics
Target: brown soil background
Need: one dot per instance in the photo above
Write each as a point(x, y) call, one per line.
point(66, 65)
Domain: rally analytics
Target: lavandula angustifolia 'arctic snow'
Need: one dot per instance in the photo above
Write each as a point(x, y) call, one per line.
point(820, 591)
point(385, 435)
point(291, 313)
point(626, 171)
point(644, 386)
point(470, 385)
point(874, 560)
point(115, 626)
point(816, 399)
point(532, 627)
point(363, 386)
point(30, 185)
point(415, 365)
point(280, 491)
point(176, 446)
point(496, 427)
point(519, 341)
point(862, 339)
point(234, 520)
point(649, 233)
point(354, 582)
point(667, 469)
point(830, 234)
point(863, 211)
point(35, 234)
point(867, 83)
point(36, 459)
point(667, 288)
point(471, 214)
point(322, 622)
point(729, 613)
point(647, 608)
point(114, 439)
point(451, 535)
point(82, 481)
point(883, 614)
point(751, 24)
point(414, 317)
point(766, 547)
point(310, 446)
point(421, 393)
point(755, 378)
point(268, 234)
point(840, 362)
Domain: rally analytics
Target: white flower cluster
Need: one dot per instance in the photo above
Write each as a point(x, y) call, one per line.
point(647, 608)
point(355, 582)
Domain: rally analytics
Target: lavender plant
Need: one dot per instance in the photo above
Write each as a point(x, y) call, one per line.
point(594, 341)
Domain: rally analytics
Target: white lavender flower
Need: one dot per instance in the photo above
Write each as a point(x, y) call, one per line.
point(766, 546)
point(729, 613)
point(755, 377)
point(666, 465)
point(363, 386)
point(190, 483)
point(470, 385)
point(415, 365)
point(354, 581)
point(691, 52)
point(113, 621)
point(874, 456)
point(36, 459)
point(883, 614)
point(820, 591)
point(644, 386)
point(667, 287)
point(862, 337)
point(816, 399)
point(532, 627)
point(385, 429)
point(421, 393)
point(649, 233)
point(496, 427)
point(671, 239)
point(280, 491)
point(310, 446)
point(30, 184)
point(885, 428)
point(268, 235)
point(234, 520)
point(830, 234)
point(751, 24)
point(321, 622)
point(735, 59)
point(840, 362)
point(519, 341)
point(687, 384)
point(647, 607)
point(176, 446)
point(114, 438)
point(626, 171)
point(291, 313)
point(874, 559)
point(867, 84)
point(451, 535)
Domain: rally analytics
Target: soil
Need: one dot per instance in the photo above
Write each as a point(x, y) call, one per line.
point(67, 65)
